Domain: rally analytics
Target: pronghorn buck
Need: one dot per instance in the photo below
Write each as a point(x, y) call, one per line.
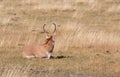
point(41, 50)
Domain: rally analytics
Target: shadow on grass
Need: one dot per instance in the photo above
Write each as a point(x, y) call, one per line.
point(60, 57)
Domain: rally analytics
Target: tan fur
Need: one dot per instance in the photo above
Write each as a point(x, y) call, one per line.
point(40, 50)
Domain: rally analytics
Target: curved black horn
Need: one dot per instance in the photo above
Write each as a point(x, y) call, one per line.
point(54, 28)
point(44, 31)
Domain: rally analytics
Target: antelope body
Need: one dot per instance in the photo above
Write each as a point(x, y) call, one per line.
point(41, 50)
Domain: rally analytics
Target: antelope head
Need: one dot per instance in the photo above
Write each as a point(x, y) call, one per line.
point(49, 36)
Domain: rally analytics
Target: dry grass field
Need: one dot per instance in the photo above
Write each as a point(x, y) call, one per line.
point(87, 39)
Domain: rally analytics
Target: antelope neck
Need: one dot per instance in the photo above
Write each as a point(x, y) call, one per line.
point(49, 42)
